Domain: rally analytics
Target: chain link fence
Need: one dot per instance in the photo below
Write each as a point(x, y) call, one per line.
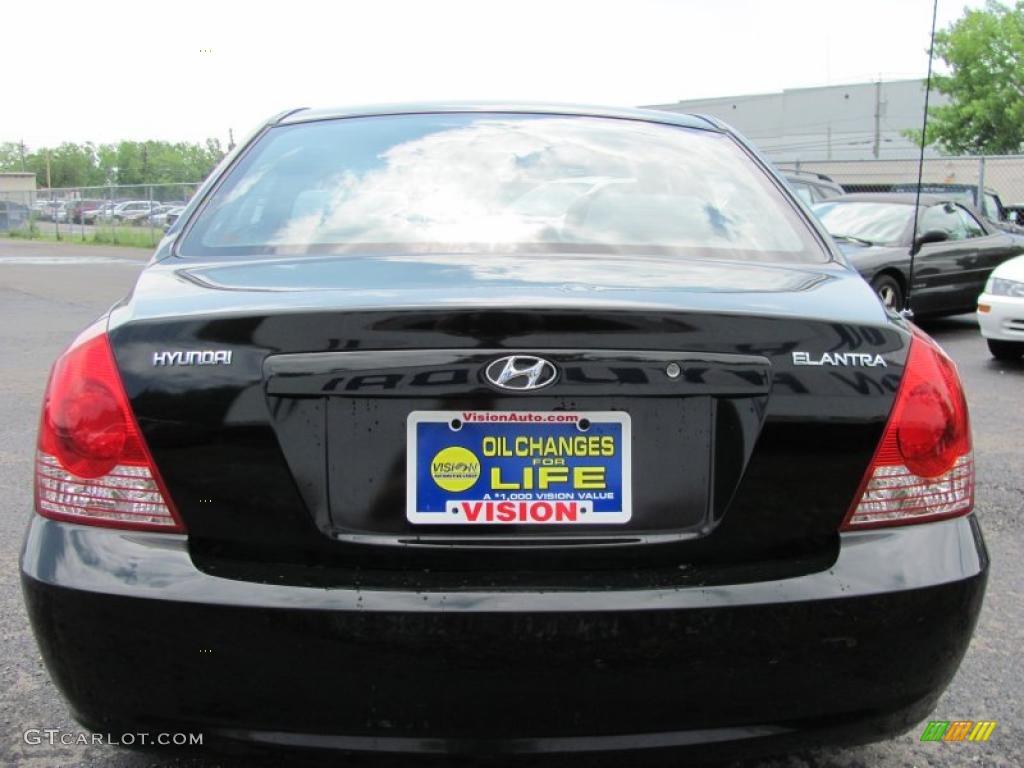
point(1001, 176)
point(132, 214)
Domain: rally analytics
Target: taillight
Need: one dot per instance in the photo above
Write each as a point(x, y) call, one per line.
point(923, 468)
point(92, 464)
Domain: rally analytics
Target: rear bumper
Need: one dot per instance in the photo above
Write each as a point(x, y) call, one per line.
point(137, 638)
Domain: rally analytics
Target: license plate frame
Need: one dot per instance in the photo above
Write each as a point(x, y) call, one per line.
point(571, 462)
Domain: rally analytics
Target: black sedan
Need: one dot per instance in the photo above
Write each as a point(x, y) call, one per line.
point(957, 249)
point(498, 430)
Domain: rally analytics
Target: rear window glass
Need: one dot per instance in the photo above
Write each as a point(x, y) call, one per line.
point(479, 182)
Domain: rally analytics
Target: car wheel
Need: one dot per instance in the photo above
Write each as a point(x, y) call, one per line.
point(1005, 350)
point(889, 291)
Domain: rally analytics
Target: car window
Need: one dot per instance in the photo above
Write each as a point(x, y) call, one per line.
point(991, 206)
point(877, 223)
point(972, 227)
point(944, 218)
point(482, 183)
point(803, 191)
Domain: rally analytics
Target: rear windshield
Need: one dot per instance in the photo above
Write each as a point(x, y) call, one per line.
point(479, 182)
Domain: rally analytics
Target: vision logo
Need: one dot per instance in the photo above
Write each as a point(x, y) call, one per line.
point(455, 469)
point(958, 730)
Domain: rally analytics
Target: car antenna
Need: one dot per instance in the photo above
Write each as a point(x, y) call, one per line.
point(907, 312)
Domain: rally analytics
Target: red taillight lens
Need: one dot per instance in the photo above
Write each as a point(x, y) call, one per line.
point(923, 468)
point(92, 464)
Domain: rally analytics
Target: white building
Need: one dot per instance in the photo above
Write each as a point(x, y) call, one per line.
point(837, 122)
point(19, 187)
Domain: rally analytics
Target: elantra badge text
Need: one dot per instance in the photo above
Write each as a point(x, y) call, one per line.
point(848, 359)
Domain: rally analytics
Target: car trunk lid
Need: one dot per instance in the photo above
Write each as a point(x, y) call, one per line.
point(294, 453)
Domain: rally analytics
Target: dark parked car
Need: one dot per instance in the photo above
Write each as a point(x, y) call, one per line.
point(812, 187)
point(371, 459)
point(958, 251)
point(990, 206)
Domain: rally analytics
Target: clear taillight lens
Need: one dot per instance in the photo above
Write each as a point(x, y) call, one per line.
point(923, 468)
point(92, 464)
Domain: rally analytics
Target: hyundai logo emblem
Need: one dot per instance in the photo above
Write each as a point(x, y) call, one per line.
point(521, 372)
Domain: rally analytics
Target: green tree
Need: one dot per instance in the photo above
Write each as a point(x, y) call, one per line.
point(127, 162)
point(984, 51)
point(71, 165)
point(13, 156)
point(106, 162)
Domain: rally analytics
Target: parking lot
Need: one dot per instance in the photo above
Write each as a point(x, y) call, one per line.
point(49, 291)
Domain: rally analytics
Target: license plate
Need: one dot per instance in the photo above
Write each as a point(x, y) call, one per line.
point(518, 467)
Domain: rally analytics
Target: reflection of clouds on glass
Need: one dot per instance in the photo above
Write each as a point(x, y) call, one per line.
point(623, 183)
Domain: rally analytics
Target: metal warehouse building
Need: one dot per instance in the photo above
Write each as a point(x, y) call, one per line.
point(863, 121)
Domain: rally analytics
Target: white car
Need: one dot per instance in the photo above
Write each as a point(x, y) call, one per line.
point(1001, 310)
point(133, 209)
point(51, 210)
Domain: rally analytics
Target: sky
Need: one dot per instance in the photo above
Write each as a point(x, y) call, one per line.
point(185, 70)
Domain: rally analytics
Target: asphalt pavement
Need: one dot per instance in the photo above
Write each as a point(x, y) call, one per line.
point(50, 291)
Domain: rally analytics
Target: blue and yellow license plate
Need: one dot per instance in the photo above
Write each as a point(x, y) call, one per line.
point(518, 467)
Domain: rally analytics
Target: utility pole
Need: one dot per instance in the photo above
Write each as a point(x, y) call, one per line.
point(878, 117)
point(21, 151)
point(48, 184)
point(980, 205)
point(231, 139)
